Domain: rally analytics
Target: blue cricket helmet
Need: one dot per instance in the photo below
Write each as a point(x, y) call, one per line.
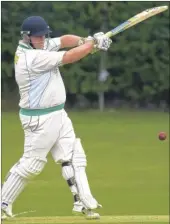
point(35, 26)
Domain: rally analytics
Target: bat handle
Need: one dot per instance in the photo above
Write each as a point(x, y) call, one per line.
point(109, 34)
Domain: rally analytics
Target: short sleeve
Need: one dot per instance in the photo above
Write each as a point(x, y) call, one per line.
point(45, 61)
point(52, 44)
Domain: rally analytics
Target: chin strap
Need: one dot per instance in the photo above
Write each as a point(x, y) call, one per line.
point(31, 45)
point(26, 38)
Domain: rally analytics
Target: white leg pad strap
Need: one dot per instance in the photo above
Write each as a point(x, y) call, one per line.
point(68, 175)
point(79, 163)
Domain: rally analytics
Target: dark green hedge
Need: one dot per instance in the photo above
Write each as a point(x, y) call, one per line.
point(138, 61)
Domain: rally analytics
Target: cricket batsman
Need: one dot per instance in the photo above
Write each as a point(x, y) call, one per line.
point(47, 127)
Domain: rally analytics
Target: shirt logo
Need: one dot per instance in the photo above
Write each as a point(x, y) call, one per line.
point(16, 59)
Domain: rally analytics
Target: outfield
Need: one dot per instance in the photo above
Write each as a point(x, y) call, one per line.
point(127, 168)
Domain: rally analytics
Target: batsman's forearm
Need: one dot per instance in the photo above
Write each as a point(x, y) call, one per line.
point(78, 53)
point(69, 41)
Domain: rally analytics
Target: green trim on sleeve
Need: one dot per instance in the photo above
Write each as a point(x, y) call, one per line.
point(39, 112)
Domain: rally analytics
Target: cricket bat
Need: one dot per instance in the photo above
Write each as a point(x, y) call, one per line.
point(135, 20)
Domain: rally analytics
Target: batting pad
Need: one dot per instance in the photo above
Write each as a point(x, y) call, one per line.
point(68, 175)
point(12, 187)
point(30, 167)
point(18, 177)
point(79, 164)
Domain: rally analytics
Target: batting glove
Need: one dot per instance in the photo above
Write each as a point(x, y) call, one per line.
point(102, 42)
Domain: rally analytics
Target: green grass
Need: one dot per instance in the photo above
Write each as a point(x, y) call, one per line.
point(127, 165)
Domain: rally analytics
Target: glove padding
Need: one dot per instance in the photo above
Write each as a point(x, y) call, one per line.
point(101, 41)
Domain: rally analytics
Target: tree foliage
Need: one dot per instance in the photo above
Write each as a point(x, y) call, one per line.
point(138, 61)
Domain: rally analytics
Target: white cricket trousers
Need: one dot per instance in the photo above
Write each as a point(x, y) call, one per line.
point(52, 132)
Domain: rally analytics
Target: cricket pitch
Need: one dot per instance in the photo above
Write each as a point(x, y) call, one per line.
point(80, 219)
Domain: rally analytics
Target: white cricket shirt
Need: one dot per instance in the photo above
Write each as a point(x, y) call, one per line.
point(38, 77)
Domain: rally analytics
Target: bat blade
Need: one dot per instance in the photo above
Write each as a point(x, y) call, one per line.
point(136, 19)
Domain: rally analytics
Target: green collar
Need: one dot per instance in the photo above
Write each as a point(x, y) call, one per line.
point(25, 46)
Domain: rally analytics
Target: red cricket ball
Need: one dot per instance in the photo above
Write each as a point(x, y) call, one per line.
point(162, 136)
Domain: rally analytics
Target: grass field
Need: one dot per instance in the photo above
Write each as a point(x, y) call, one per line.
point(128, 169)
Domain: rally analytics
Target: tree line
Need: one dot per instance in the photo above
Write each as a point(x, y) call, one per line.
point(137, 62)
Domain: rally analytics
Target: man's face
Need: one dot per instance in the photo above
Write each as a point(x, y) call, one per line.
point(38, 42)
